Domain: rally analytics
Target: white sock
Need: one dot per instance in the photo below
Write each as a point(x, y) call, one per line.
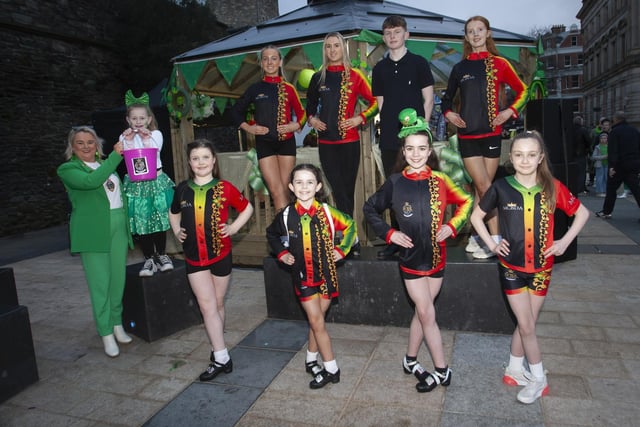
point(496, 238)
point(331, 366)
point(516, 363)
point(537, 370)
point(312, 356)
point(221, 356)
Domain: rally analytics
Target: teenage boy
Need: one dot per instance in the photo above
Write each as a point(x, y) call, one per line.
point(399, 80)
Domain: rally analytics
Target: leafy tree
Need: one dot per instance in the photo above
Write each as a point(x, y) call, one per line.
point(539, 31)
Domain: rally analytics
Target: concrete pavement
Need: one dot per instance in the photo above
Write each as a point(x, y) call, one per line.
point(589, 332)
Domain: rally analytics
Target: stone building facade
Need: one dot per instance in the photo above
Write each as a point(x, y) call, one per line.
point(247, 13)
point(563, 64)
point(611, 34)
point(57, 67)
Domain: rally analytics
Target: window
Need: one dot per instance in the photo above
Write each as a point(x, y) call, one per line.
point(551, 63)
point(567, 60)
point(574, 40)
point(575, 81)
point(580, 59)
point(549, 46)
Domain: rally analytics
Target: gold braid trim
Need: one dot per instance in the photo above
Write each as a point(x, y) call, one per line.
point(434, 203)
point(544, 226)
point(282, 108)
point(490, 72)
point(324, 235)
point(216, 205)
point(344, 101)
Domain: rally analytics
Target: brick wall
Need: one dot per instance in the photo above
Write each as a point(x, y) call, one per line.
point(57, 67)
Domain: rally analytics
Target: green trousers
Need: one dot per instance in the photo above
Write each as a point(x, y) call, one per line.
point(106, 273)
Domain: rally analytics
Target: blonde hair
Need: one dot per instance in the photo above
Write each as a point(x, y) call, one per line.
point(153, 124)
point(68, 152)
point(346, 62)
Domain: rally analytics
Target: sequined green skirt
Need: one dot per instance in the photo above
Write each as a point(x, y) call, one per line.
point(148, 203)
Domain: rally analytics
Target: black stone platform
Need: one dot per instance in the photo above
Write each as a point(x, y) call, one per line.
point(18, 368)
point(157, 306)
point(373, 293)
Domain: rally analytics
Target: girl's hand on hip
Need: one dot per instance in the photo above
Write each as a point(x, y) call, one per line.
point(287, 259)
point(351, 123)
point(501, 248)
point(401, 239)
point(444, 233)
point(502, 117)
point(455, 119)
point(557, 248)
point(181, 235)
point(288, 128)
point(256, 129)
point(317, 124)
point(227, 230)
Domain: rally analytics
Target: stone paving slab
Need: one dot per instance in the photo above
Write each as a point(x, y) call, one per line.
point(205, 405)
point(588, 329)
point(476, 388)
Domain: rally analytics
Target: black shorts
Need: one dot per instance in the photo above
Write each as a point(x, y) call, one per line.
point(515, 282)
point(276, 148)
point(489, 147)
point(220, 268)
point(324, 291)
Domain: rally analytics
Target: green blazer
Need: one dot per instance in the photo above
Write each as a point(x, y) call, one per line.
point(90, 223)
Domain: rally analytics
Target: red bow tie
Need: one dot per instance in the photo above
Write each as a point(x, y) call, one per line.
point(301, 210)
point(417, 176)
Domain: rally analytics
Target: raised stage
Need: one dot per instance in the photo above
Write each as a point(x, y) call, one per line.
point(372, 293)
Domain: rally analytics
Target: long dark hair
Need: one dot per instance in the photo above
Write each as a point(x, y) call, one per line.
point(432, 160)
point(204, 143)
point(320, 194)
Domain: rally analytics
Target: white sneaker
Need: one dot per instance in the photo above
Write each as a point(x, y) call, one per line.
point(148, 268)
point(483, 253)
point(534, 390)
point(164, 263)
point(110, 346)
point(622, 195)
point(472, 245)
point(121, 335)
point(513, 377)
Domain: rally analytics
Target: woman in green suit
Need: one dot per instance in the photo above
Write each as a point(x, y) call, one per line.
point(98, 228)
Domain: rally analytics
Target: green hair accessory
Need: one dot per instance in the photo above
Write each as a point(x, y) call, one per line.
point(130, 100)
point(412, 124)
